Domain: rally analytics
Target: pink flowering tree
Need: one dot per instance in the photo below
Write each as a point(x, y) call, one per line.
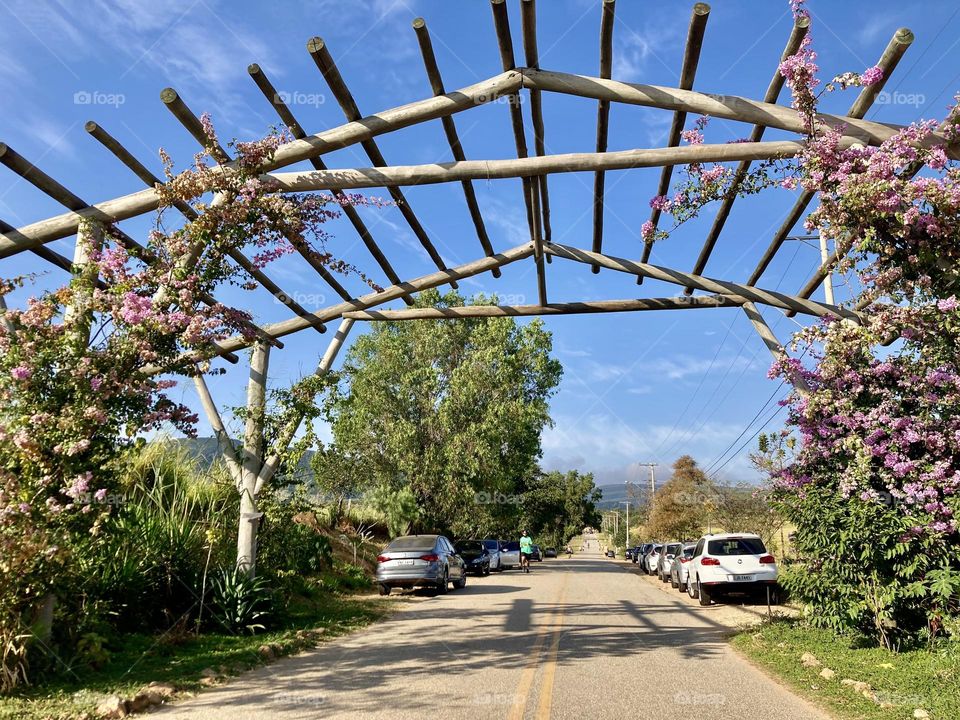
point(73, 391)
point(872, 477)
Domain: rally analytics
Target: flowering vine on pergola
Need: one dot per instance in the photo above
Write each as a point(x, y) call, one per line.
point(251, 468)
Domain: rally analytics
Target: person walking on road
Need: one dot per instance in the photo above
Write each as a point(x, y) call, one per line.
point(526, 551)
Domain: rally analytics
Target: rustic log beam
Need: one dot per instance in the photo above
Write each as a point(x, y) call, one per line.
point(691, 58)
point(770, 340)
point(45, 253)
point(801, 26)
point(501, 26)
point(4, 320)
point(607, 16)
point(224, 443)
point(144, 201)
point(453, 137)
point(538, 246)
point(571, 308)
point(279, 448)
point(530, 166)
point(528, 26)
point(278, 104)
point(331, 74)
point(723, 287)
point(193, 125)
point(888, 62)
point(728, 107)
point(364, 302)
point(251, 460)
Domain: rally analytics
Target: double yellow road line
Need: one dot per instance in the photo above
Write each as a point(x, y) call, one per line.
point(555, 626)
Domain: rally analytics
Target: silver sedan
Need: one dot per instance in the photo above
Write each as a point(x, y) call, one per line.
point(420, 561)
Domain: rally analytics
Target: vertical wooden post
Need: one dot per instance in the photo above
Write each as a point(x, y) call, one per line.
point(828, 277)
point(79, 312)
point(4, 320)
point(252, 458)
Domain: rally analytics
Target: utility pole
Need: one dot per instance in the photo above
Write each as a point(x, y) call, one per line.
point(653, 482)
point(627, 503)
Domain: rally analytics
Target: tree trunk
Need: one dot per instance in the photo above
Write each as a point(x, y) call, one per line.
point(252, 459)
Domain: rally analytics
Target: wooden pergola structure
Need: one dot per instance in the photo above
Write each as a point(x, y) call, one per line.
point(254, 467)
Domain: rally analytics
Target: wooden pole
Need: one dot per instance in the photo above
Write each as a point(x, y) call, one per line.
point(888, 62)
point(286, 436)
point(370, 300)
point(356, 178)
point(607, 15)
point(453, 137)
point(723, 287)
point(145, 201)
point(538, 245)
point(728, 107)
point(281, 108)
point(770, 340)
point(572, 308)
point(800, 27)
point(826, 264)
point(501, 26)
point(45, 253)
point(251, 462)
point(4, 320)
point(331, 74)
point(224, 443)
point(528, 26)
point(691, 58)
point(78, 315)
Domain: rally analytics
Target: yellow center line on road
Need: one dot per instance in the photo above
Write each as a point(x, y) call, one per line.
point(518, 709)
point(550, 669)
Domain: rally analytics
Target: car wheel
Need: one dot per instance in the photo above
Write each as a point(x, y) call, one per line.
point(663, 578)
point(384, 589)
point(691, 588)
point(673, 581)
point(704, 595)
point(486, 570)
point(681, 586)
point(461, 583)
point(443, 583)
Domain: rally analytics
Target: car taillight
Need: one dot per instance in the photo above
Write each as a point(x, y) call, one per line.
point(430, 558)
point(684, 559)
point(709, 561)
point(382, 558)
point(768, 560)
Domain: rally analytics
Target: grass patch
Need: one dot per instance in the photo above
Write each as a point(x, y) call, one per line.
point(137, 660)
point(927, 679)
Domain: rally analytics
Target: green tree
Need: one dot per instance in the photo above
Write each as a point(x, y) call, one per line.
point(446, 409)
point(556, 506)
point(684, 505)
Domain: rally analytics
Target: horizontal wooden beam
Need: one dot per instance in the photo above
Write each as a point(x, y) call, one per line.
point(351, 133)
point(722, 287)
point(728, 107)
point(307, 180)
point(364, 302)
point(572, 308)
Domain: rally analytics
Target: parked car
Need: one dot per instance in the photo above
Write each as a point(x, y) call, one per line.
point(651, 559)
point(665, 559)
point(639, 555)
point(628, 554)
point(537, 554)
point(680, 565)
point(493, 547)
point(730, 561)
point(420, 561)
point(475, 555)
point(611, 553)
point(509, 555)
point(550, 552)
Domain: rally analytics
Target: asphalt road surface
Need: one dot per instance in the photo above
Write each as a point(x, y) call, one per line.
point(579, 639)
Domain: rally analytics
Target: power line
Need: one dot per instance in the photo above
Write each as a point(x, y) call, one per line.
point(749, 440)
point(745, 429)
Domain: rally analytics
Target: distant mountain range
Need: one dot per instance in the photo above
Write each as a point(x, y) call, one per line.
point(207, 452)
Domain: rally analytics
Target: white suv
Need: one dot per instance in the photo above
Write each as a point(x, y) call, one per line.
point(729, 561)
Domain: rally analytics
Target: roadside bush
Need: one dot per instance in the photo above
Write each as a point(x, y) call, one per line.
point(239, 604)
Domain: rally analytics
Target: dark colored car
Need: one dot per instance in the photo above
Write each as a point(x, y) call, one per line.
point(537, 554)
point(475, 555)
point(550, 552)
point(420, 561)
point(628, 554)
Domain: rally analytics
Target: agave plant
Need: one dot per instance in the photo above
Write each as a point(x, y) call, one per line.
point(240, 602)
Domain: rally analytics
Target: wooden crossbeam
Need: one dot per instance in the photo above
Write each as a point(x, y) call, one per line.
point(722, 287)
point(801, 26)
point(571, 308)
point(888, 62)
point(528, 26)
point(691, 58)
point(145, 201)
point(281, 108)
point(371, 300)
point(453, 137)
point(331, 74)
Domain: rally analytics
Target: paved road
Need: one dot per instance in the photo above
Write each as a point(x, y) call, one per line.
point(578, 639)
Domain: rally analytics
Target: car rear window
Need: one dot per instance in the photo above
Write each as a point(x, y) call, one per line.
point(656, 548)
point(511, 546)
point(672, 548)
point(688, 551)
point(469, 546)
point(491, 544)
point(736, 546)
point(413, 542)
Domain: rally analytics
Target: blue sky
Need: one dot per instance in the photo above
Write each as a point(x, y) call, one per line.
point(642, 387)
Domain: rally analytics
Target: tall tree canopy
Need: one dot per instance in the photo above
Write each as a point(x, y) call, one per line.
point(450, 410)
point(682, 506)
